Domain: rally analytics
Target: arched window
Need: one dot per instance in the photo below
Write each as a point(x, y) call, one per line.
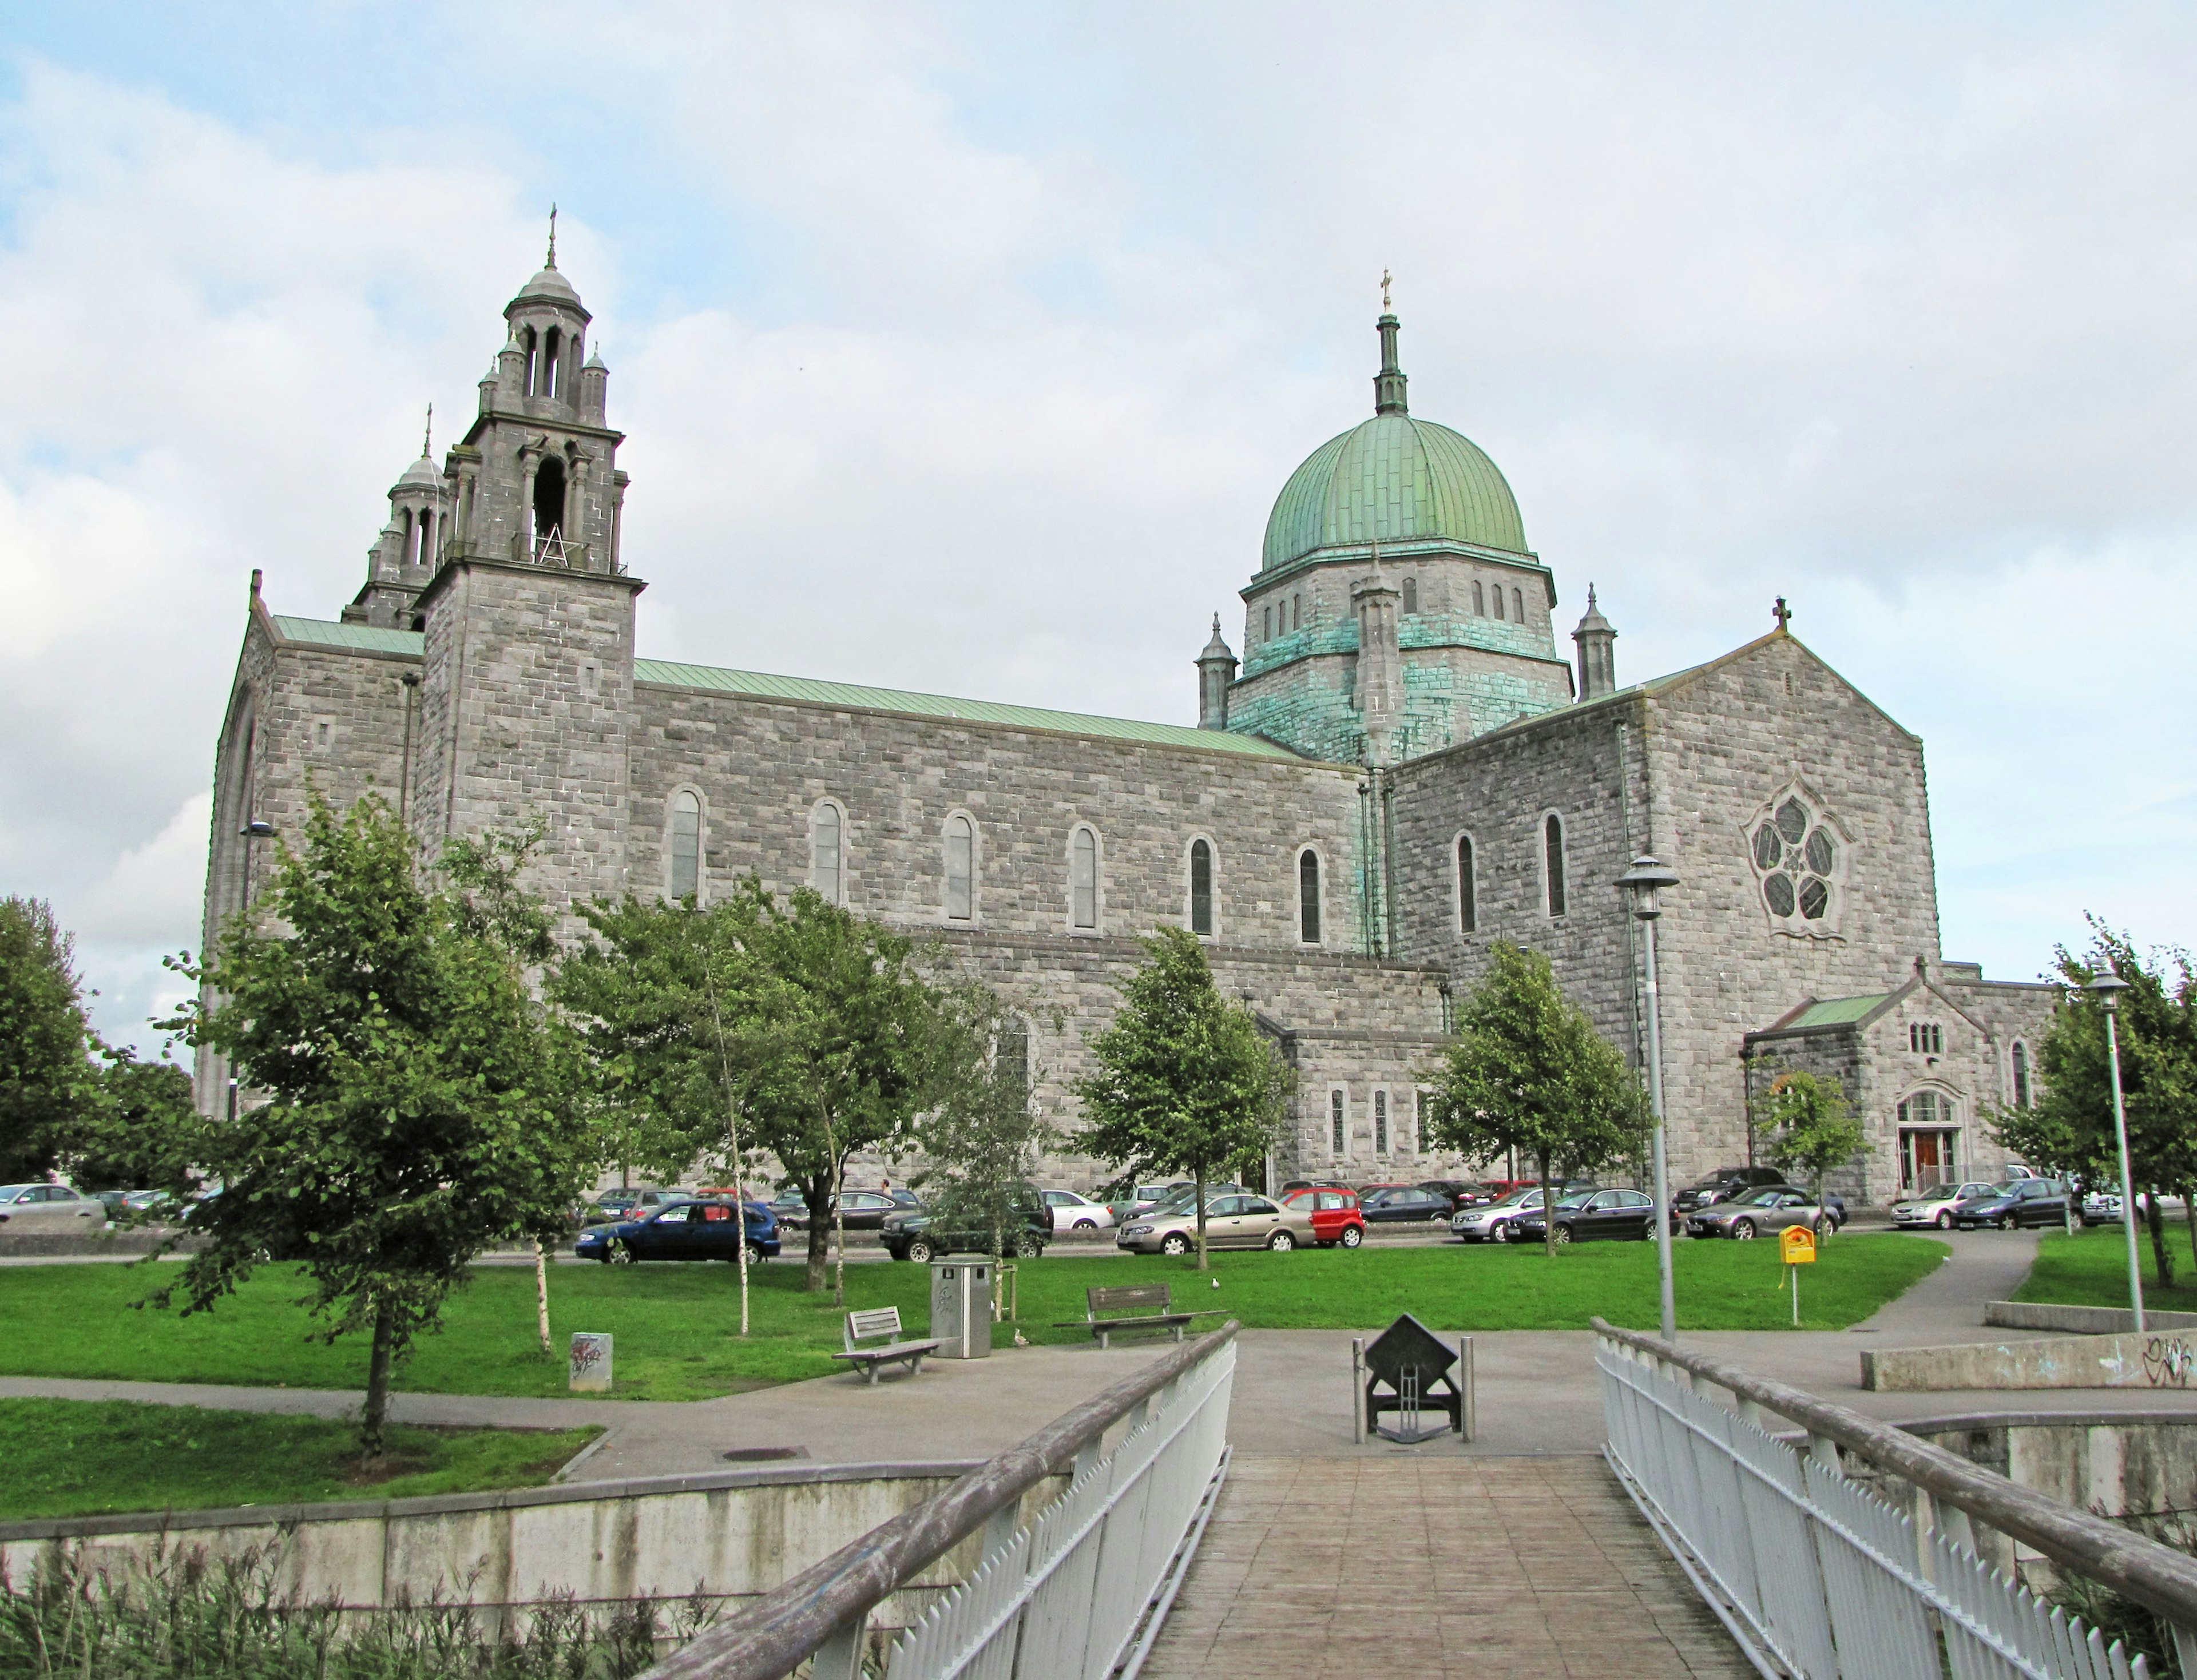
point(1336, 1119)
point(1552, 865)
point(1200, 888)
point(1380, 1122)
point(685, 844)
point(960, 869)
point(1266, 623)
point(527, 343)
point(1296, 612)
point(1498, 600)
point(1518, 605)
point(1309, 896)
point(826, 829)
point(2020, 1076)
point(548, 502)
point(1410, 594)
point(1468, 891)
point(426, 557)
point(548, 382)
point(1083, 880)
point(1479, 599)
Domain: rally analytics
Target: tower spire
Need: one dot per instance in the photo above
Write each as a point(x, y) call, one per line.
point(552, 261)
point(427, 438)
point(1388, 383)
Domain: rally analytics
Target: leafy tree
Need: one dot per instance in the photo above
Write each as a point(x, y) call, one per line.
point(1183, 1080)
point(46, 1077)
point(1812, 1127)
point(2072, 1123)
point(137, 1129)
point(1529, 1072)
point(418, 1106)
point(985, 1134)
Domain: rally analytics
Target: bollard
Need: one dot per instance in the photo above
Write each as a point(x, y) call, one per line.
point(1358, 1390)
point(1470, 1413)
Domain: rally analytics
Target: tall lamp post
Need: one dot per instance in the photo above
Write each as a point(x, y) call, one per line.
point(2109, 986)
point(1642, 882)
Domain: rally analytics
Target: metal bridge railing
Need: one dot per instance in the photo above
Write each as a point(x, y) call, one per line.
point(1078, 1595)
point(1817, 1576)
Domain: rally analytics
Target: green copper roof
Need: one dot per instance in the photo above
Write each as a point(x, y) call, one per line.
point(1835, 1012)
point(1394, 479)
point(367, 637)
point(863, 697)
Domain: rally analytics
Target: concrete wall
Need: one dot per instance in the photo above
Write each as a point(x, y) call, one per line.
point(2117, 1463)
point(728, 1536)
point(2163, 1359)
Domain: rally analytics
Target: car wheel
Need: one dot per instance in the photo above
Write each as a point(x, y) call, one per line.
point(755, 1255)
point(920, 1251)
point(1352, 1235)
point(1945, 1218)
point(1742, 1231)
point(2006, 1222)
point(1282, 1242)
point(1086, 1225)
point(1027, 1247)
point(1563, 1235)
point(1826, 1228)
point(617, 1252)
point(1174, 1242)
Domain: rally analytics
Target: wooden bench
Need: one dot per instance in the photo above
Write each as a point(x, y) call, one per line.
point(1131, 1306)
point(883, 1321)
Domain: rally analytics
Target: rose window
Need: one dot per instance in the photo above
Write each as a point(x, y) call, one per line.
point(1798, 858)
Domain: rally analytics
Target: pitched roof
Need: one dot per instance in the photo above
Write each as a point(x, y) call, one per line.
point(1834, 1012)
point(858, 697)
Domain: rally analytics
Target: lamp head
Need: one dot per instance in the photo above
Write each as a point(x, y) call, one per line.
point(1643, 881)
point(259, 828)
point(2109, 987)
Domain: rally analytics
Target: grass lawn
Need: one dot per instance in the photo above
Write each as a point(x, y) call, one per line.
point(80, 1458)
point(676, 1323)
point(2090, 1269)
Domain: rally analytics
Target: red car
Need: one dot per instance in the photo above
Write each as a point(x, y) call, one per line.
point(1335, 1216)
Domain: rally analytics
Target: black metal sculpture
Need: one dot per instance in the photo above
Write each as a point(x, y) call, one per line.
point(1408, 1372)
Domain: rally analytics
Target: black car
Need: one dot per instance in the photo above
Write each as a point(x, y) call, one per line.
point(1460, 1192)
point(699, 1229)
point(915, 1234)
point(1588, 1215)
point(2018, 1201)
point(1410, 1202)
point(1724, 1184)
point(860, 1209)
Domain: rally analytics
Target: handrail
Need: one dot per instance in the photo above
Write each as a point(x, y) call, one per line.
point(767, 1639)
point(2155, 1576)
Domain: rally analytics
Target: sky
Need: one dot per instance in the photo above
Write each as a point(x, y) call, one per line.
point(965, 347)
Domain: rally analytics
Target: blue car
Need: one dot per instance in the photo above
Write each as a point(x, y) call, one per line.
point(699, 1229)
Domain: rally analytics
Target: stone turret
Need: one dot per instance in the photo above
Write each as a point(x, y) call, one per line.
point(1216, 670)
point(1598, 652)
point(409, 547)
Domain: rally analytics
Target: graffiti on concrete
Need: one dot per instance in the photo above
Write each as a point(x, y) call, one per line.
point(2169, 1362)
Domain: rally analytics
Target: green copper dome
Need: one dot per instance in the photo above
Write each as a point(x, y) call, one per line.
point(1392, 479)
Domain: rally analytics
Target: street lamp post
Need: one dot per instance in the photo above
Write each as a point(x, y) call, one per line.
point(1643, 881)
point(2109, 986)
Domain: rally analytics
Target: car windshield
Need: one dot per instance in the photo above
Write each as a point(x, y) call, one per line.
point(1518, 1197)
point(2010, 1187)
point(10, 1192)
point(1765, 1198)
point(1578, 1198)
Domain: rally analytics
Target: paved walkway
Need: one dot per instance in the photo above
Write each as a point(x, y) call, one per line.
point(1489, 1568)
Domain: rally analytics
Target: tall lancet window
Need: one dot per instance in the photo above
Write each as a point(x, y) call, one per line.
point(824, 875)
point(1083, 883)
point(1309, 896)
point(548, 502)
point(548, 384)
point(1410, 594)
point(960, 869)
point(685, 844)
point(1200, 888)
point(1553, 842)
point(1468, 893)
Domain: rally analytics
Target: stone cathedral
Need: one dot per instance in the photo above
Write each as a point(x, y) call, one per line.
point(1402, 767)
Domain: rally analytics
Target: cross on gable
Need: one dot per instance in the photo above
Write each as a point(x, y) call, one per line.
point(1782, 614)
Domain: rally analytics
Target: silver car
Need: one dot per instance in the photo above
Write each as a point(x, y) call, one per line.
point(1765, 1211)
point(1244, 1221)
point(1492, 1223)
point(49, 1208)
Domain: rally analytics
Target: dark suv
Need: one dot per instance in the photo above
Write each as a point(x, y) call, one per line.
point(917, 1235)
point(1725, 1182)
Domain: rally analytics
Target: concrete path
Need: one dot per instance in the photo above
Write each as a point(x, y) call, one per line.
point(1490, 1568)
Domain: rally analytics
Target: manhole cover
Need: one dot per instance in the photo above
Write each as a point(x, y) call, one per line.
point(763, 1455)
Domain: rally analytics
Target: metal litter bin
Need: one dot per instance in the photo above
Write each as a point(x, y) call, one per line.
point(961, 1308)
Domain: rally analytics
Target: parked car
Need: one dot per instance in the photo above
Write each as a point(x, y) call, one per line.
point(858, 1210)
point(915, 1234)
point(1404, 1204)
point(1296, 1185)
point(1725, 1185)
point(1763, 1212)
point(2017, 1202)
point(1587, 1215)
point(1492, 1223)
point(1235, 1221)
point(1071, 1212)
point(1139, 1198)
point(1935, 1207)
point(1335, 1219)
point(633, 1201)
point(701, 1229)
point(49, 1208)
point(1461, 1192)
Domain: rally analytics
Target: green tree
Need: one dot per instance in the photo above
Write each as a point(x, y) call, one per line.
point(418, 1107)
point(46, 1075)
point(137, 1129)
point(1183, 1080)
point(1528, 1072)
point(985, 1133)
point(1812, 1127)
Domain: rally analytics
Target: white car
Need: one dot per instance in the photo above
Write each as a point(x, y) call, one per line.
point(49, 1208)
point(1492, 1223)
point(1071, 1212)
point(1934, 1206)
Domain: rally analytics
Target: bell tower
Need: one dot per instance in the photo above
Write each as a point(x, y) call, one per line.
point(527, 681)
